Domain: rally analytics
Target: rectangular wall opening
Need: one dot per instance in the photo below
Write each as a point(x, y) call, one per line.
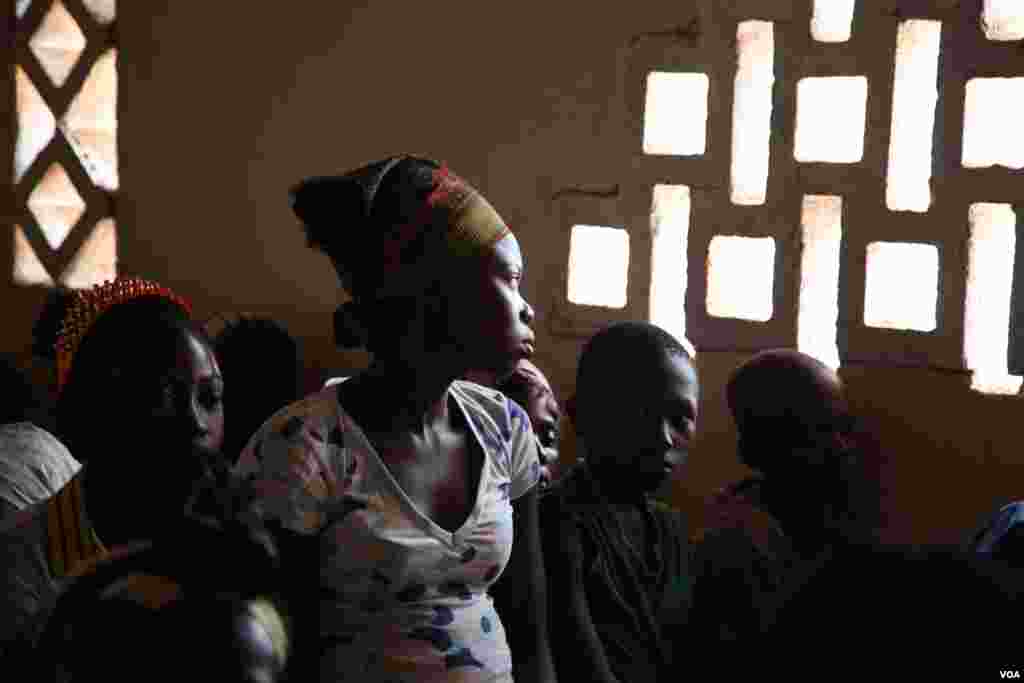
point(992, 127)
point(676, 113)
point(991, 252)
point(818, 314)
point(915, 92)
point(670, 225)
point(902, 286)
point(1003, 19)
point(598, 266)
point(830, 117)
point(752, 111)
point(741, 277)
point(832, 20)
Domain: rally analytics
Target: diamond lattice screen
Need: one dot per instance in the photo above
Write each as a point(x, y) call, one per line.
point(65, 158)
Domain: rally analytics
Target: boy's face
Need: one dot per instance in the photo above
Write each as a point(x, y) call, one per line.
point(646, 429)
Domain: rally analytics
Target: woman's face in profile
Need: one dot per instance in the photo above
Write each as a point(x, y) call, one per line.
point(491, 318)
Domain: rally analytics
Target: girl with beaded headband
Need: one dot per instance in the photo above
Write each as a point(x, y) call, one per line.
point(140, 406)
point(89, 304)
point(402, 487)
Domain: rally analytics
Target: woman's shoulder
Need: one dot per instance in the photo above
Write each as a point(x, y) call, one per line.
point(314, 410)
point(507, 415)
point(480, 396)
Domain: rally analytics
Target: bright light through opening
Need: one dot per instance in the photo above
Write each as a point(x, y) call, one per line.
point(818, 316)
point(902, 286)
point(915, 93)
point(670, 225)
point(676, 113)
point(830, 116)
point(741, 275)
point(752, 111)
point(1003, 19)
point(989, 286)
point(832, 20)
point(598, 266)
point(992, 123)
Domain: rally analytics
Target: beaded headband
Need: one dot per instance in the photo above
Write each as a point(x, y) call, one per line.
point(87, 305)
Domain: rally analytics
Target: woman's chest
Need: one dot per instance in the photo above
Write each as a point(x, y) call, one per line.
point(440, 481)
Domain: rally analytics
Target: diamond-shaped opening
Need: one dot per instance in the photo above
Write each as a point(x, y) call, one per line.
point(598, 266)
point(818, 316)
point(902, 286)
point(58, 43)
point(36, 124)
point(103, 11)
point(676, 113)
point(915, 93)
point(56, 204)
point(830, 116)
point(752, 111)
point(670, 225)
point(987, 308)
point(832, 20)
point(1003, 19)
point(95, 261)
point(992, 136)
point(28, 269)
point(90, 124)
point(741, 277)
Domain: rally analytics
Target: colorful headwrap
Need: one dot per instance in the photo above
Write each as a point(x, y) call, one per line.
point(454, 220)
point(89, 304)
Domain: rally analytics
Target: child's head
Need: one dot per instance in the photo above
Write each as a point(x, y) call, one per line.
point(528, 387)
point(636, 403)
point(786, 405)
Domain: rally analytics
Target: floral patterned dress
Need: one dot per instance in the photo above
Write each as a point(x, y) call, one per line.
point(402, 599)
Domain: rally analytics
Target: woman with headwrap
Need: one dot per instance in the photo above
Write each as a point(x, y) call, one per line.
point(397, 491)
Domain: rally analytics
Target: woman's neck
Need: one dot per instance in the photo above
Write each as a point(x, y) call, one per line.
point(406, 398)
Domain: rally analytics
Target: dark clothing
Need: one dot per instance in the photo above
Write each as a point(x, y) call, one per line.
point(618, 606)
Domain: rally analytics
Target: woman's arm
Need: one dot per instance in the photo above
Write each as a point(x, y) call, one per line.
point(522, 596)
